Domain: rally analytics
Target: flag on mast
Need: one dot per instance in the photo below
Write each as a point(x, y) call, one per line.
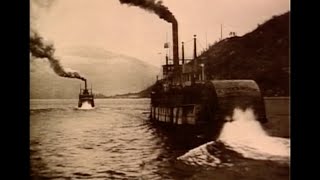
point(166, 45)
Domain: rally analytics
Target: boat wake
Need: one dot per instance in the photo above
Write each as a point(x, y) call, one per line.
point(85, 106)
point(46, 110)
point(244, 137)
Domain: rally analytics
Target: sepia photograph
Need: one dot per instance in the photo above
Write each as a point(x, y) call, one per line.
point(159, 89)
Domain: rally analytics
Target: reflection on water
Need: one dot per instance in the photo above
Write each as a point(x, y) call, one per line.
point(116, 141)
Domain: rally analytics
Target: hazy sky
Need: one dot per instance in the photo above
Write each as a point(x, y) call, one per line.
point(135, 32)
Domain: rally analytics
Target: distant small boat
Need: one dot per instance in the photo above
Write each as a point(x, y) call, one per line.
point(85, 96)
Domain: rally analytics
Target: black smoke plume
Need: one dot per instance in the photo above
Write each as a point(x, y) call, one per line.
point(40, 49)
point(164, 13)
point(153, 6)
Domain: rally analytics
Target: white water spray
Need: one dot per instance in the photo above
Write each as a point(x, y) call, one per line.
point(200, 157)
point(86, 106)
point(246, 136)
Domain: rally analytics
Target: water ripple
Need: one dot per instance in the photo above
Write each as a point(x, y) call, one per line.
point(113, 141)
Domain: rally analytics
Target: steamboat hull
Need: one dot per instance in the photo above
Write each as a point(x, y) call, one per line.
point(201, 109)
point(85, 99)
point(85, 96)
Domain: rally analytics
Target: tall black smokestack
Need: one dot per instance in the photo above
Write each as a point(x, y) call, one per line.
point(164, 13)
point(39, 49)
point(195, 53)
point(175, 43)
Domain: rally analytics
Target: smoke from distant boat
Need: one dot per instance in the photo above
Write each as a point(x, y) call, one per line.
point(39, 48)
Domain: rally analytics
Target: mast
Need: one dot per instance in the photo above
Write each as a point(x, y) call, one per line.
point(182, 52)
